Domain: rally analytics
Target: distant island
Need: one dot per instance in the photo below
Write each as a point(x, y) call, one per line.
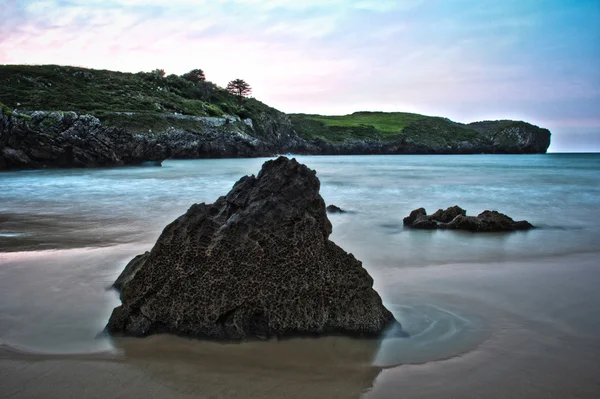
point(62, 116)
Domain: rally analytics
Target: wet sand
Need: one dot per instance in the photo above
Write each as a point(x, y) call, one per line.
point(514, 363)
point(170, 367)
point(538, 338)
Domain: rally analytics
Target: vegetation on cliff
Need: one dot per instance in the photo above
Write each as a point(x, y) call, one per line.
point(98, 92)
point(213, 120)
point(385, 126)
point(422, 133)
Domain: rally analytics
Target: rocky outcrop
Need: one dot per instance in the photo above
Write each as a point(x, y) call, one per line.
point(513, 137)
point(334, 209)
point(455, 218)
point(428, 135)
point(31, 140)
point(65, 139)
point(256, 263)
point(269, 132)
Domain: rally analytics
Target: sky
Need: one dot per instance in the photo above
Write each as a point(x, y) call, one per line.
point(468, 60)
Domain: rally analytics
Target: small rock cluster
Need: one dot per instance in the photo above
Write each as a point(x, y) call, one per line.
point(455, 218)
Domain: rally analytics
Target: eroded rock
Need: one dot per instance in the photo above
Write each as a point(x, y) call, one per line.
point(455, 218)
point(256, 263)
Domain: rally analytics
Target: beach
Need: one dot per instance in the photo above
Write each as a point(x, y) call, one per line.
point(492, 315)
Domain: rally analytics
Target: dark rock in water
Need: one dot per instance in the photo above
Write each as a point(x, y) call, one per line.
point(445, 216)
point(487, 221)
point(157, 162)
point(455, 218)
point(424, 222)
point(334, 209)
point(410, 219)
point(256, 263)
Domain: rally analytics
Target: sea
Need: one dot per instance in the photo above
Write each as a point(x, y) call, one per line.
point(487, 314)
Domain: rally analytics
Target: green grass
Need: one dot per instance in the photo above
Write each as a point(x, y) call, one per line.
point(65, 88)
point(392, 126)
point(5, 110)
point(388, 123)
point(385, 126)
point(438, 131)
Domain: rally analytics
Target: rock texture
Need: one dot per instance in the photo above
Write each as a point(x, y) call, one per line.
point(31, 140)
point(65, 139)
point(455, 218)
point(256, 263)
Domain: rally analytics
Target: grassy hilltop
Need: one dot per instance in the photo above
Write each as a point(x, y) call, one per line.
point(148, 101)
point(385, 126)
point(109, 94)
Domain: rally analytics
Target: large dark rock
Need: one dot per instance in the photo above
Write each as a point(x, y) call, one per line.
point(455, 218)
point(256, 263)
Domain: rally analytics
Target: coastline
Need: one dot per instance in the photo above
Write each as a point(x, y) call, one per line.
point(513, 315)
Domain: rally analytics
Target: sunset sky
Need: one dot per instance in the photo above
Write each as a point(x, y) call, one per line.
point(536, 60)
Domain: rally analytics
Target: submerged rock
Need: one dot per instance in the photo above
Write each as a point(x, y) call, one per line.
point(455, 218)
point(334, 209)
point(256, 263)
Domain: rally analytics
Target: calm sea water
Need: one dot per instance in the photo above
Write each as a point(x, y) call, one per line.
point(527, 302)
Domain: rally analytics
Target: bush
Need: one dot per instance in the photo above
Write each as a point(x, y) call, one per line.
point(201, 91)
point(194, 76)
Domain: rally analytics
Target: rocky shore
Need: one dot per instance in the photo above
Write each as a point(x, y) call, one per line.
point(40, 139)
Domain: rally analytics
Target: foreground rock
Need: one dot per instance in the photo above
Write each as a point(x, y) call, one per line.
point(256, 263)
point(455, 218)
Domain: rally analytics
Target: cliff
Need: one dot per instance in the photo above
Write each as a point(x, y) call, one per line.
point(55, 116)
point(403, 133)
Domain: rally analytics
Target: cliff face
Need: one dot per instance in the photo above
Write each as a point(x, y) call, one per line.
point(127, 119)
point(65, 139)
point(514, 137)
point(430, 135)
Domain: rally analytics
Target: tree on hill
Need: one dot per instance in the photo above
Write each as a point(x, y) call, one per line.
point(195, 75)
point(239, 88)
point(159, 73)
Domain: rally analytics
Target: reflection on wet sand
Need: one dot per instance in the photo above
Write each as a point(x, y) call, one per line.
point(328, 367)
point(39, 232)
